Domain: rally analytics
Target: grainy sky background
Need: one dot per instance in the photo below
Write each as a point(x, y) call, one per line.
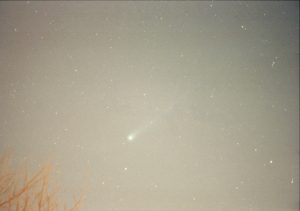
point(161, 105)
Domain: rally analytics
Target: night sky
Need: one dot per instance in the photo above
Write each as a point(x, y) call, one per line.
point(156, 106)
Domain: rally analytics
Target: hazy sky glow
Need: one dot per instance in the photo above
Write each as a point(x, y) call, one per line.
point(170, 106)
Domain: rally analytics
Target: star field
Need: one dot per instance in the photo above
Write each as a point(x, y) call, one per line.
point(180, 105)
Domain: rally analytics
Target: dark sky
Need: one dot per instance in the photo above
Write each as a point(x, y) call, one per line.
point(165, 106)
